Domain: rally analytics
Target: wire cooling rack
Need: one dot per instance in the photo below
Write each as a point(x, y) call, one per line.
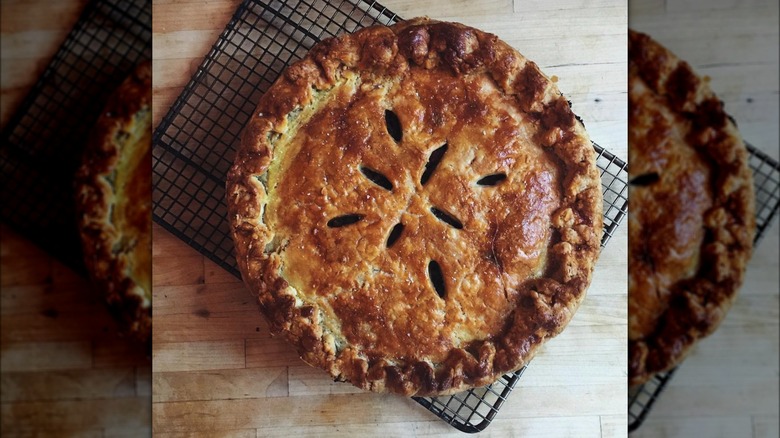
point(42, 143)
point(766, 182)
point(194, 146)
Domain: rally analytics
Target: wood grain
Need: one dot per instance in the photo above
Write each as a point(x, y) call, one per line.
point(218, 371)
point(64, 370)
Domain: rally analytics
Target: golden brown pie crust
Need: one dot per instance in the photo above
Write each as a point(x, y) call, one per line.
point(691, 209)
point(361, 301)
point(113, 198)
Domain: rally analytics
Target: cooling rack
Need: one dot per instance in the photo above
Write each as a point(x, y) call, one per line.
point(766, 182)
point(194, 146)
point(43, 141)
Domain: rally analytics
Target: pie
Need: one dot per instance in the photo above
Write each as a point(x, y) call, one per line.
point(691, 209)
point(416, 208)
point(113, 197)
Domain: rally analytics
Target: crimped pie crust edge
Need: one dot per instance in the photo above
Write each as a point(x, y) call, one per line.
point(701, 302)
point(109, 264)
point(429, 44)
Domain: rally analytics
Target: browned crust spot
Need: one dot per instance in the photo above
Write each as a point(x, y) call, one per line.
point(547, 304)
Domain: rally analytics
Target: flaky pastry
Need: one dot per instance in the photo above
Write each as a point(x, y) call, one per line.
point(416, 208)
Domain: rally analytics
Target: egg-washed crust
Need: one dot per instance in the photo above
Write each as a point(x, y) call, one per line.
point(114, 179)
point(691, 209)
point(365, 311)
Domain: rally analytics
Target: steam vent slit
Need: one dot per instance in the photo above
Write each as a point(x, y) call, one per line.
point(376, 178)
point(343, 221)
point(433, 163)
point(491, 180)
point(395, 233)
point(393, 126)
point(437, 278)
point(447, 218)
point(645, 179)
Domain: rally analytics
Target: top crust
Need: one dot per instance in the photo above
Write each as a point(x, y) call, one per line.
point(113, 199)
point(692, 214)
point(514, 258)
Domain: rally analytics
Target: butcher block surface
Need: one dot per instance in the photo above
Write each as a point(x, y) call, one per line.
point(218, 370)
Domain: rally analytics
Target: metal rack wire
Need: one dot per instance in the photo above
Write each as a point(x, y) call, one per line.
point(641, 398)
point(42, 143)
point(194, 146)
point(766, 182)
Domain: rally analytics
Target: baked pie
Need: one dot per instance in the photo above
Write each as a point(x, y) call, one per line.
point(114, 197)
point(416, 208)
point(691, 209)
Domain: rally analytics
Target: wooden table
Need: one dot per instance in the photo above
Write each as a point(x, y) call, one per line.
point(729, 385)
point(217, 370)
point(64, 371)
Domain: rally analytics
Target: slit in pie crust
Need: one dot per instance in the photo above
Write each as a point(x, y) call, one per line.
point(416, 208)
point(113, 198)
point(691, 209)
